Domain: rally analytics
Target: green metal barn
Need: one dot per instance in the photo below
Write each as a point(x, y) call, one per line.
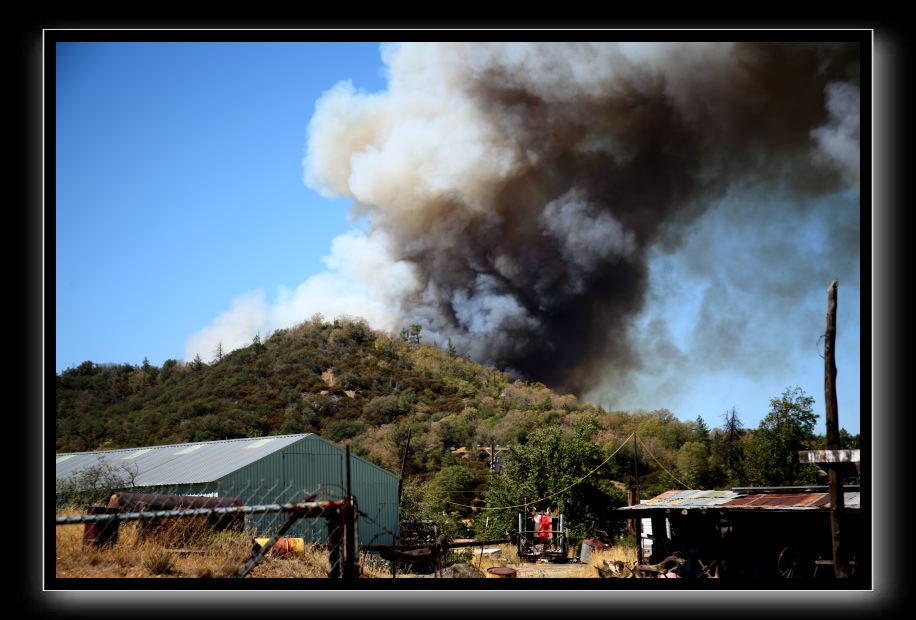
point(260, 470)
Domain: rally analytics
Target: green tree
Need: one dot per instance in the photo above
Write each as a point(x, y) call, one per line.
point(168, 368)
point(454, 431)
point(848, 441)
point(554, 468)
point(338, 430)
point(771, 457)
point(149, 372)
point(452, 489)
point(700, 430)
point(382, 409)
point(413, 335)
point(693, 464)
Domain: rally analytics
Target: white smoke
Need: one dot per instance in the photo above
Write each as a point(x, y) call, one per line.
point(232, 329)
point(361, 280)
point(397, 151)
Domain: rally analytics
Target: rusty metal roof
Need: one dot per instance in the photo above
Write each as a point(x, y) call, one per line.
point(744, 500)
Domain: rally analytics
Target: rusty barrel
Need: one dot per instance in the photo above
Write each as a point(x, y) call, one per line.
point(503, 572)
point(101, 532)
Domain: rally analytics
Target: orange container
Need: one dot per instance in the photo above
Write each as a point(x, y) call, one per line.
point(284, 546)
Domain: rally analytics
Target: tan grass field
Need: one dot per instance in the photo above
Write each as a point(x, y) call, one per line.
point(212, 555)
point(175, 554)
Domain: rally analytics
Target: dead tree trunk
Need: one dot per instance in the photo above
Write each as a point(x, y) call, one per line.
point(833, 434)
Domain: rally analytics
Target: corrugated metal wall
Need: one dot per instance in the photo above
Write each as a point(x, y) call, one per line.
point(314, 466)
point(376, 492)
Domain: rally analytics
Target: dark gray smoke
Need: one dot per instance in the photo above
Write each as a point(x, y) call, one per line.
point(522, 189)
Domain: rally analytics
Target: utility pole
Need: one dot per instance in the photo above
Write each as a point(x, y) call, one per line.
point(403, 468)
point(638, 520)
point(835, 470)
point(394, 539)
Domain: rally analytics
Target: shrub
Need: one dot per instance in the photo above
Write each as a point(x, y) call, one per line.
point(94, 485)
point(159, 562)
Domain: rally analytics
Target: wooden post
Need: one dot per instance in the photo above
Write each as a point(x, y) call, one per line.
point(350, 563)
point(394, 557)
point(403, 469)
point(835, 472)
point(394, 539)
point(636, 467)
point(337, 541)
point(638, 523)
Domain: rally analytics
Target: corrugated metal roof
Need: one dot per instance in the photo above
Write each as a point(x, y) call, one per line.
point(179, 463)
point(690, 498)
point(743, 500)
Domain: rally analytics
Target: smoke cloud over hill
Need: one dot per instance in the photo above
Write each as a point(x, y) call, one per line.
point(519, 196)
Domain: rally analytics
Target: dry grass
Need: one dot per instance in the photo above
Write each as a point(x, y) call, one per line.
point(374, 569)
point(215, 555)
point(313, 564)
point(508, 556)
point(597, 558)
point(622, 554)
point(222, 555)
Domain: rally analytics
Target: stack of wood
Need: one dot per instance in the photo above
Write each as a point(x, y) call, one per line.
point(615, 569)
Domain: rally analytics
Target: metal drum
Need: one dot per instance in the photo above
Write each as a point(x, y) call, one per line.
point(503, 572)
point(102, 532)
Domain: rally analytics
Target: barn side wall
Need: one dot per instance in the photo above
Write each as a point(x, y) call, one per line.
point(315, 467)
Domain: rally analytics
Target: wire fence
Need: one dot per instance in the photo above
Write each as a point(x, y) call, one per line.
point(230, 531)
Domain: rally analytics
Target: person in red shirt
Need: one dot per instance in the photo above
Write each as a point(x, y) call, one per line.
point(545, 528)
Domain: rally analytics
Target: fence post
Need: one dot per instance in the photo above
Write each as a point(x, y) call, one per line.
point(350, 567)
point(336, 526)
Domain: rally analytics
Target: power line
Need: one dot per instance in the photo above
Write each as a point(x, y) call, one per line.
point(552, 495)
point(660, 463)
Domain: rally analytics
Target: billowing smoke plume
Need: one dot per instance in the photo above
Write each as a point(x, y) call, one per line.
point(549, 206)
point(527, 185)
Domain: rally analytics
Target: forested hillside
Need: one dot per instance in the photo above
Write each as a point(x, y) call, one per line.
point(346, 382)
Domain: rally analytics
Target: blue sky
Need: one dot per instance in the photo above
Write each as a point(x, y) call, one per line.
point(179, 185)
point(180, 191)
